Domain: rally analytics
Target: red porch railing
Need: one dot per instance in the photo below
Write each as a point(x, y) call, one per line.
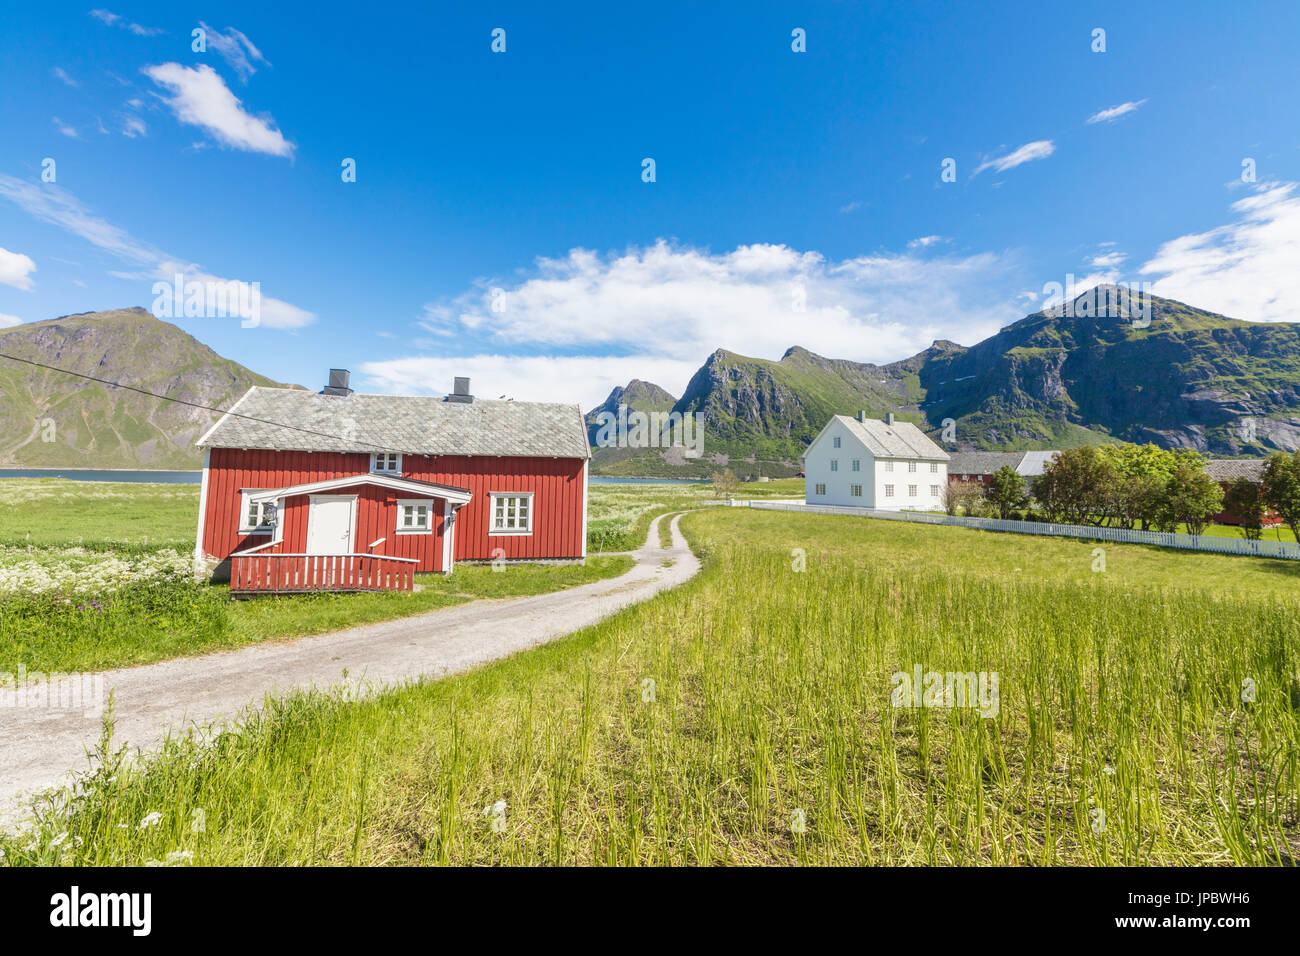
point(267, 573)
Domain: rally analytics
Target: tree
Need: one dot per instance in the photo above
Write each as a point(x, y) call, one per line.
point(1139, 494)
point(961, 497)
point(1077, 486)
point(725, 484)
point(1007, 491)
point(1282, 488)
point(1193, 496)
point(1245, 499)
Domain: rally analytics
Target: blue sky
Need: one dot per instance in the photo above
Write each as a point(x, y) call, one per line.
point(499, 225)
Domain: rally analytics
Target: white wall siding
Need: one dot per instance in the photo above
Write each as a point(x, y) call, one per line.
point(901, 479)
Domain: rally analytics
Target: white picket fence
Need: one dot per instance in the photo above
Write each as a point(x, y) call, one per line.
point(1188, 542)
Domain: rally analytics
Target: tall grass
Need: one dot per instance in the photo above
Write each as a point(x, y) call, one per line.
point(688, 730)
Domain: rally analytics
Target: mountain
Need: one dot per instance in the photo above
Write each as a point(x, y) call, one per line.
point(637, 396)
point(1189, 379)
point(1062, 377)
point(51, 419)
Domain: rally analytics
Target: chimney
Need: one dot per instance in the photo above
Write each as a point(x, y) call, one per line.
point(338, 383)
point(460, 391)
point(889, 418)
point(862, 416)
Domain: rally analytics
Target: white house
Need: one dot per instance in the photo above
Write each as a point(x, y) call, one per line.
point(867, 463)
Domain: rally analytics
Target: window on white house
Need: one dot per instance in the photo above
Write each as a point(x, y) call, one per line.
point(254, 516)
point(835, 442)
point(934, 468)
point(819, 489)
point(512, 514)
point(414, 516)
point(386, 463)
point(889, 466)
point(835, 464)
point(934, 491)
point(855, 491)
point(857, 464)
point(889, 491)
point(911, 466)
point(911, 491)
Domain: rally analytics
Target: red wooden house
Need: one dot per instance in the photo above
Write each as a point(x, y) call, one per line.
point(307, 491)
point(1227, 470)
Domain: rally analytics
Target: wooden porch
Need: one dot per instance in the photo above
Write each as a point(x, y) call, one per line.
point(254, 573)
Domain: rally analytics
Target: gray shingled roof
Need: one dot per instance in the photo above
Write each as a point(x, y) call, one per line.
point(899, 440)
point(1030, 464)
point(412, 424)
point(1229, 469)
point(983, 462)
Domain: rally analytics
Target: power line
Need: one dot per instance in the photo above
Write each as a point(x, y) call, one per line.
point(181, 401)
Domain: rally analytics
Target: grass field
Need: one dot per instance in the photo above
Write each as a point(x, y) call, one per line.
point(747, 717)
point(94, 575)
point(154, 620)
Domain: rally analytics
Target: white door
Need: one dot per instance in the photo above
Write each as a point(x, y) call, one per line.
point(329, 524)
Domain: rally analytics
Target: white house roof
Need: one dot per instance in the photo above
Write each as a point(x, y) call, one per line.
point(896, 440)
point(293, 419)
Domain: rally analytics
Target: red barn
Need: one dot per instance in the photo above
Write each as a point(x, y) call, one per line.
point(340, 491)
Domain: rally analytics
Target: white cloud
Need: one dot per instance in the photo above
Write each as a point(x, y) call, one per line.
point(236, 49)
point(1246, 269)
point(200, 97)
point(57, 206)
point(1039, 149)
point(16, 269)
point(1114, 112)
point(111, 19)
point(59, 73)
point(668, 307)
point(1108, 260)
point(133, 126)
point(65, 129)
point(923, 242)
point(9, 321)
point(853, 206)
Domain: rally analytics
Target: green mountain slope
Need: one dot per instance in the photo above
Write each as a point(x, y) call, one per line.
point(55, 420)
point(1054, 379)
point(1190, 379)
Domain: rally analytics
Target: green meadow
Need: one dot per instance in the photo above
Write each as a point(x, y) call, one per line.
point(1146, 714)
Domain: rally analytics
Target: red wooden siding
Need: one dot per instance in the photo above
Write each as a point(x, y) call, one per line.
point(556, 485)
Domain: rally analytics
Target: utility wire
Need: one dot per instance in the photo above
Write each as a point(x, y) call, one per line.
point(181, 401)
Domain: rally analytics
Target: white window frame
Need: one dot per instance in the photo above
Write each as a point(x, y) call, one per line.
point(855, 491)
point(857, 464)
point(403, 504)
point(386, 455)
point(889, 491)
point(492, 513)
point(244, 526)
point(889, 466)
point(911, 466)
point(934, 468)
point(819, 490)
point(911, 491)
point(835, 464)
point(934, 491)
point(835, 442)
